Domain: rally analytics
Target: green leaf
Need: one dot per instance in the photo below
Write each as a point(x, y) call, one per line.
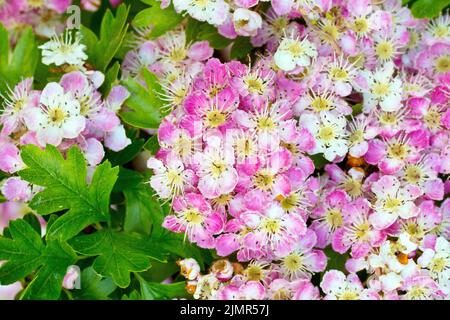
point(335, 260)
point(118, 253)
point(66, 188)
point(241, 48)
point(161, 20)
point(25, 253)
point(319, 160)
point(158, 291)
point(145, 102)
point(428, 8)
point(94, 286)
point(143, 210)
point(110, 78)
point(209, 33)
point(126, 155)
point(152, 144)
point(21, 62)
point(101, 50)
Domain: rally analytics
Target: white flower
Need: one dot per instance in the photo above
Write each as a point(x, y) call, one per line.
point(293, 53)
point(437, 261)
point(214, 12)
point(329, 133)
point(57, 117)
point(246, 22)
point(171, 180)
point(393, 200)
point(382, 89)
point(64, 49)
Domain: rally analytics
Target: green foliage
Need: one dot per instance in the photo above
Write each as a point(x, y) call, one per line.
point(26, 253)
point(158, 291)
point(93, 286)
point(161, 20)
point(101, 50)
point(118, 253)
point(145, 102)
point(241, 48)
point(65, 188)
point(428, 8)
point(198, 31)
point(20, 62)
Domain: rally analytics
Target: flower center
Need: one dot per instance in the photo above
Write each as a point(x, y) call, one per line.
point(413, 174)
point(35, 3)
point(388, 118)
point(353, 187)
point(18, 105)
point(292, 262)
point(398, 151)
point(245, 147)
point(339, 74)
point(326, 134)
point(217, 168)
point(362, 231)
point(254, 84)
point(263, 180)
point(349, 295)
point(56, 116)
point(215, 118)
point(193, 216)
point(441, 31)
point(438, 265)
point(271, 225)
point(254, 273)
point(174, 177)
point(443, 64)
point(280, 24)
point(331, 30)
point(432, 119)
point(290, 202)
point(266, 123)
point(380, 89)
point(201, 4)
point(356, 136)
point(334, 218)
point(321, 104)
point(295, 49)
point(392, 204)
point(360, 26)
point(385, 50)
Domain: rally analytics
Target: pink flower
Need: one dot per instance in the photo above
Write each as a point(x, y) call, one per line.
point(194, 216)
point(393, 200)
point(58, 116)
point(15, 189)
point(357, 232)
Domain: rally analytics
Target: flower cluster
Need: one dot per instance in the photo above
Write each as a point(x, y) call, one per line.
point(361, 87)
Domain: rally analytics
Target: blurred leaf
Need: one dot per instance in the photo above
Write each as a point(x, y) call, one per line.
point(101, 50)
point(126, 155)
point(197, 31)
point(21, 62)
point(428, 8)
point(158, 291)
point(241, 48)
point(161, 20)
point(145, 102)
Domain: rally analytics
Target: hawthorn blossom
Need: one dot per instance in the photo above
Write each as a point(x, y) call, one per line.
point(393, 200)
point(58, 116)
point(64, 49)
point(293, 52)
